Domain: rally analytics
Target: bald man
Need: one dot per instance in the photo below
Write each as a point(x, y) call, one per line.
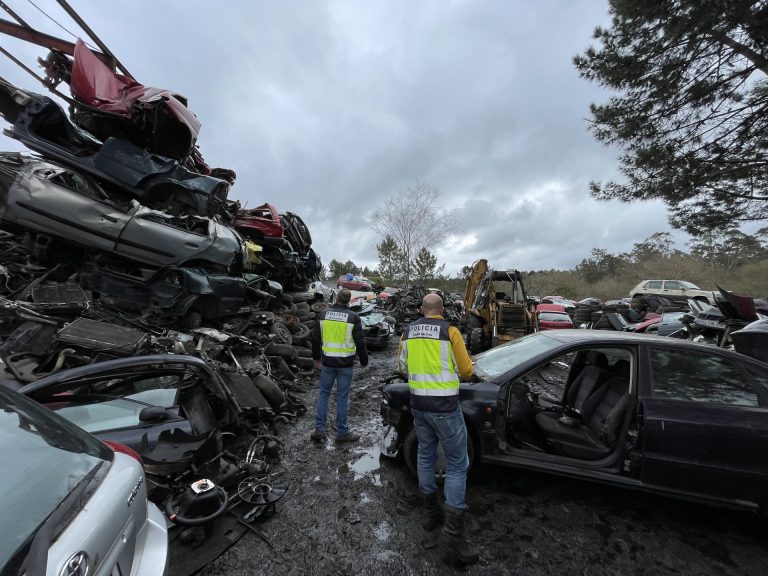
point(433, 354)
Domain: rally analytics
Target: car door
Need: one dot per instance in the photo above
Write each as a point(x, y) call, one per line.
point(158, 239)
point(66, 205)
point(673, 288)
point(704, 425)
point(230, 293)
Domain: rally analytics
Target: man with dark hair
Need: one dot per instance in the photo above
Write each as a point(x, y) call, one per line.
point(337, 339)
point(433, 354)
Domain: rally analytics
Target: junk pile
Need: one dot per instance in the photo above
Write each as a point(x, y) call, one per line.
point(405, 306)
point(139, 302)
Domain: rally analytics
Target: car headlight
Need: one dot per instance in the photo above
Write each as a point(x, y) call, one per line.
point(175, 277)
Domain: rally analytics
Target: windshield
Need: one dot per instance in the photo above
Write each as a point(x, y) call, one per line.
point(690, 286)
point(554, 317)
point(44, 458)
point(505, 357)
point(110, 413)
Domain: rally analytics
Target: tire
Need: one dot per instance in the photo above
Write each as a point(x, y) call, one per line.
point(299, 298)
point(476, 340)
point(281, 332)
point(192, 320)
point(289, 304)
point(318, 307)
point(410, 451)
point(302, 332)
point(302, 308)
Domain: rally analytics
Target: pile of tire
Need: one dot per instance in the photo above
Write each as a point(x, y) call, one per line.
point(584, 312)
point(617, 306)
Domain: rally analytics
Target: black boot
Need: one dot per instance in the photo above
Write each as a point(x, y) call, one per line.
point(433, 512)
point(455, 545)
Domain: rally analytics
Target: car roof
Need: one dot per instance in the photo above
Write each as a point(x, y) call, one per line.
point(609, 337)
point(99, 367)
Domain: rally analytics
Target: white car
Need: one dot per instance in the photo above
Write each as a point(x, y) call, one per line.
point(71, 505)
point(678, 290)
point(322, 292)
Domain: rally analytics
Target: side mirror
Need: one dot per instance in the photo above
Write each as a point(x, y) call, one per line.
point(153, 414)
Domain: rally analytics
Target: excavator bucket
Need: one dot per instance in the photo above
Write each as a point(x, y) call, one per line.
point(479, 270)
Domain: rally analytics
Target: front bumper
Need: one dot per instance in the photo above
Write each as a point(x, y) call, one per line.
point(391, 442)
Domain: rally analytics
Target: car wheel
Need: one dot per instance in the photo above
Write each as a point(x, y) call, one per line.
point(281, 332)
point(192, 320)
point(476, 340)
point(411, 448)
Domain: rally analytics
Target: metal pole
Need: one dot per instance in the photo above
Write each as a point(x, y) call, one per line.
point(76, 17)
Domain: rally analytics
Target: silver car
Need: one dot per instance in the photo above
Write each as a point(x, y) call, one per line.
point(57, 201)
point(70, 505)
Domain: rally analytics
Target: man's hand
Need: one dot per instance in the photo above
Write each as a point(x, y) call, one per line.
point(318, 364)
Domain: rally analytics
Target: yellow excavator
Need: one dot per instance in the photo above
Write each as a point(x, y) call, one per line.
point(497, 307)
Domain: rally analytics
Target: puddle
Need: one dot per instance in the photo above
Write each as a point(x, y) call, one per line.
point(383, 531)
point(365, 465)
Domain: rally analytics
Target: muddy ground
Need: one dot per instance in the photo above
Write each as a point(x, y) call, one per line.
point(348, 511)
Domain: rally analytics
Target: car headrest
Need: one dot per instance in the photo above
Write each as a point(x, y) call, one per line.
point(601, 360)
point(621, 369)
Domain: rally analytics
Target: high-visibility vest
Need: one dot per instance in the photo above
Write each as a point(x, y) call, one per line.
point(336, 333)
point(432, 377)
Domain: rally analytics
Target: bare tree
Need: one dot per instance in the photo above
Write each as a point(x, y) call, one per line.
point(414, 219)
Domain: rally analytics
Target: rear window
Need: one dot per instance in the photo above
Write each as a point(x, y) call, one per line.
point(44, 458)
point(554, 317)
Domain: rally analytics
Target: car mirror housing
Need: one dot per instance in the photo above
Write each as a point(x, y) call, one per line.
point(153, 414)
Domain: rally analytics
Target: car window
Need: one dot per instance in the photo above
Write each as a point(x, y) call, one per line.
point(551, 377)
point(504, 358)
point(554, 317)
point(653, 284)
point(136, 384)
point(759, 378)
point(673, 285)
point(44, 458)
point(694, 377)
point(690, 286)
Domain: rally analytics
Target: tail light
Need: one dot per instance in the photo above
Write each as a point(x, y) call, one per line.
point(123, 449)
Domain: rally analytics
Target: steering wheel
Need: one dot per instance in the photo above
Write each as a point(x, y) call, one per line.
point(182, 520)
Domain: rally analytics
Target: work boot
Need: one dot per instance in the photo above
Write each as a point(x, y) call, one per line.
point(433, 512)
point(348, 437)
point(455, 545)
point(318, 435)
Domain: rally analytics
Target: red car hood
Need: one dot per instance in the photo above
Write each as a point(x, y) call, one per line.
point(95, 85)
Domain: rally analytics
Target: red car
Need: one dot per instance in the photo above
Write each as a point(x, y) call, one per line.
point(386, 293)
point(260, 222)
point(553, 317)
point(360, 283)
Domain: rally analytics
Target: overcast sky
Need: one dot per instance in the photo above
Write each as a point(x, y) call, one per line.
point(328, 108)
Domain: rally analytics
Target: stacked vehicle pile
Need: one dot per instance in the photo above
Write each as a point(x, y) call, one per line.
point(130, 303)
point(405, 307)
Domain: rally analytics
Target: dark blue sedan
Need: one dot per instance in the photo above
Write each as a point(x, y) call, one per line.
point(656, 414)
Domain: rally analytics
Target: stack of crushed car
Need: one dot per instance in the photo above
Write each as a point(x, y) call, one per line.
point(137, 300)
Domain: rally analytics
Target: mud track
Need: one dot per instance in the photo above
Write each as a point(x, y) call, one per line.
point(348, 512)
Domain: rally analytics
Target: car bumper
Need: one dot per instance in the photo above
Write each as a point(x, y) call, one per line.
point(151, 555)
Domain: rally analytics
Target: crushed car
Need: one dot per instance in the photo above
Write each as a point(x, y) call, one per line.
point(187, 295)
point(157, 181)
point(287, 255)
point(57, 201)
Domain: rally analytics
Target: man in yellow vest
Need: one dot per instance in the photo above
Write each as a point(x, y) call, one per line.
point(337, 340)
point(433, 354)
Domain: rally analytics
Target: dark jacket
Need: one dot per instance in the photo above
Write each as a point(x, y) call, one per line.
point(357, 336)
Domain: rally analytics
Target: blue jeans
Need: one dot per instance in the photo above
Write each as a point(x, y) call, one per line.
point(449, 429)
point(343, 379)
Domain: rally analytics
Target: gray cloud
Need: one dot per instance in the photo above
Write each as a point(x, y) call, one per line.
point(325, 109)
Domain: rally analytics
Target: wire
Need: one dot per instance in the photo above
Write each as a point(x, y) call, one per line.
point(44, 13)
